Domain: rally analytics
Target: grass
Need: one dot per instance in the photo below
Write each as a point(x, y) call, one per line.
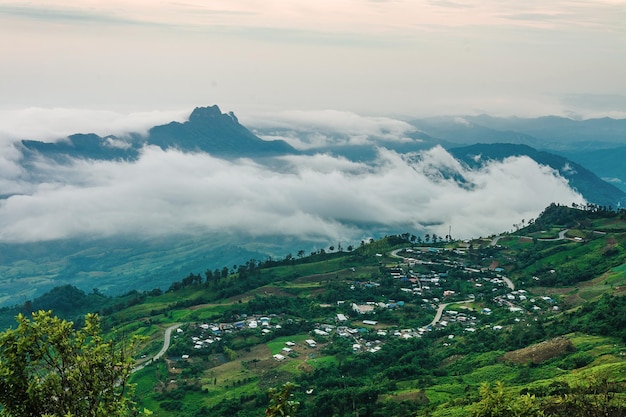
point(443, 393)
point(495, 372)
point(275, 346)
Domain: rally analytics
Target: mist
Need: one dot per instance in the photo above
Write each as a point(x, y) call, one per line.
point(315, 197)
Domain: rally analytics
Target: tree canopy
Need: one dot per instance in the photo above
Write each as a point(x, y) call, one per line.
point(48, 368)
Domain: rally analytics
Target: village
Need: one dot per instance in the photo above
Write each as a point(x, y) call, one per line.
point(438, 286)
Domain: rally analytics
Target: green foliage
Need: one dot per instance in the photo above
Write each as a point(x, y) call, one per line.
point(49, 368)
point(282, 403)
point(606, 317)
point(496, 402)
point(576, 360)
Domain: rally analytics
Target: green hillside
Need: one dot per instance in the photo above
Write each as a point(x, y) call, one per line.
point(524, 324)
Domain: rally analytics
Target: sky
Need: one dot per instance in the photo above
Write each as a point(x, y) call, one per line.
point(353, 68)
point(374, 57)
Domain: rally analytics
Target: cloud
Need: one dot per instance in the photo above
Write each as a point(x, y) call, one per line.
point(352, 16)
point(423, 57)
point(47, 124)
point(595, 105)
point(317, 197)
point(322, 128)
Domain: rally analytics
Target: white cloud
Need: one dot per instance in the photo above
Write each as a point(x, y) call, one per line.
point(310, 197)
point(322, 128)
point(420, 57)
point(50, 124)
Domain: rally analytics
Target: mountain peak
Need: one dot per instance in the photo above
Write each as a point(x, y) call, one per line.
point(203, 113)
point(210, 130)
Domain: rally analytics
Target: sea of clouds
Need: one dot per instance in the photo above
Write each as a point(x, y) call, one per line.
point(317, 196)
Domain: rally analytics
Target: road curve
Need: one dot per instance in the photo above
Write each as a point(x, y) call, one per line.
point(166, 345)
point(443, 306)
point(509, 283)
point(561, 237)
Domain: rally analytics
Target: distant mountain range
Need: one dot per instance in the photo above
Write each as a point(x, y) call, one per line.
point(591, 145)
point(597, 144)
point(208, 130)
point(584, 181)
point(550, 132)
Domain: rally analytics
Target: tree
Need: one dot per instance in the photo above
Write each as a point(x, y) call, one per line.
point(496, 402)
point(47, 368)
point(209, 276)
point(281, 402)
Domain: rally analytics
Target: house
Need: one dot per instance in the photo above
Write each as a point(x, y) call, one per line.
point(279, 357)
point(312, 343)
point(363, 308)
point(341, 317)
point(370, 322)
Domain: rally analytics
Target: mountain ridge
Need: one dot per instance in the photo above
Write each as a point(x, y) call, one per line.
point(207, 129)
point(583, 180)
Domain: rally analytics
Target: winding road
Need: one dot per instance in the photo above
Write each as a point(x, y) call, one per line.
point(166, 345)
point(561, 236)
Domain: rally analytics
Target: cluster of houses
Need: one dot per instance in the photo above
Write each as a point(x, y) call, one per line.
point(431, 289)
point(206, 334)
point(489, 284)
point(520, 301)
point(418, 284)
